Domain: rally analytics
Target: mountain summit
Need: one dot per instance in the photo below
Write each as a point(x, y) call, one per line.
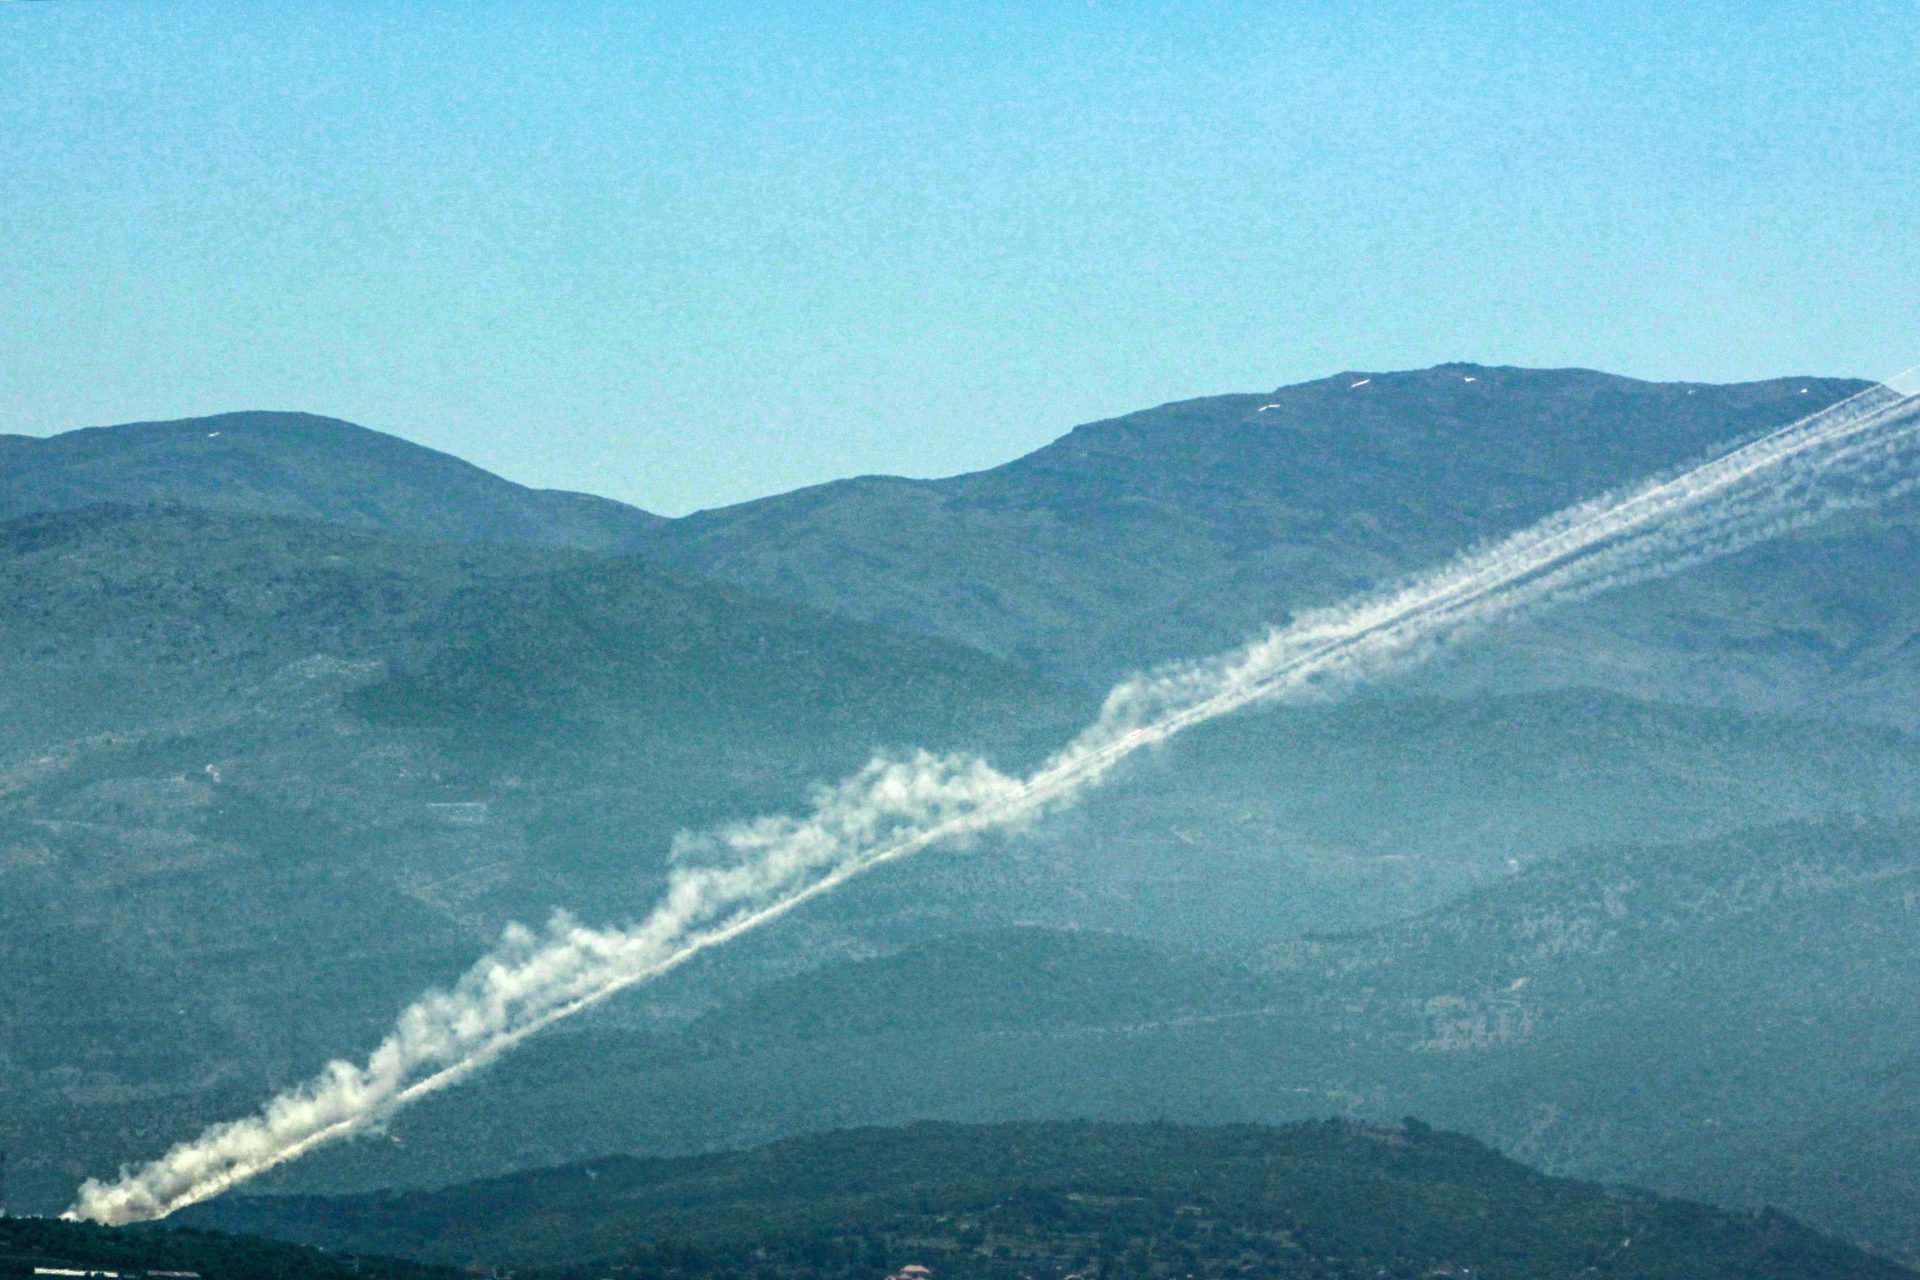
point(300, 464)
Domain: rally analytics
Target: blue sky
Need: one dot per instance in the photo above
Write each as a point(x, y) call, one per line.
point(689, 255)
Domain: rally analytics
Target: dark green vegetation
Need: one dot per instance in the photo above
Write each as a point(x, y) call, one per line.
point(1323, 1199)
point(296, 464)
point(294, 730)
point(27, 1243)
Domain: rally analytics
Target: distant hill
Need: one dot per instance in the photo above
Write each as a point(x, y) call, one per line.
point(1320, 818)
point(1174, 531)
point(1327, 1200)
point(298, 464)
point(1705, 1019)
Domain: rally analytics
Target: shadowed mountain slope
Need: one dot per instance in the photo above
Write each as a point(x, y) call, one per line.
point(1822, 622)
point(299, 464)
point(1326, 1199)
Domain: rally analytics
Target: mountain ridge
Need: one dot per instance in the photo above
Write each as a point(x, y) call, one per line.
point(1182, 529)
point(303, 465)
point(1331, 1198)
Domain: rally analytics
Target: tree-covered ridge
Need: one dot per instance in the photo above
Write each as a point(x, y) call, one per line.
point(1140, 1202)
point(27, 1244)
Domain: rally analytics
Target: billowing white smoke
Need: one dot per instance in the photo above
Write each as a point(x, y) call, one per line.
point(735, 879)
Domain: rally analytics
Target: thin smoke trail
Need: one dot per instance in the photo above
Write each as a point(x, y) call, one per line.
point(738, 878)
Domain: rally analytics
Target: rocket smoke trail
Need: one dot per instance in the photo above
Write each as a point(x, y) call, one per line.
point(725, 882)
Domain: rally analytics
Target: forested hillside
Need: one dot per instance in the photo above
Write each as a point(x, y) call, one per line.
point(1325, 1199)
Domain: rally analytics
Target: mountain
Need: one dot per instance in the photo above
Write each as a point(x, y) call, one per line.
point(1170, 532)
point(1326, 1199)
point(263, 779)
point(1704, 1019)
point(1179, 530)
point(298, 464)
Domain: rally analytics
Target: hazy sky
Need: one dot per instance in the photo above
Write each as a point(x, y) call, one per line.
point(689, 255)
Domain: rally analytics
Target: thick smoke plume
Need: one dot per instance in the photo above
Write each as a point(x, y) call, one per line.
point(729, 881)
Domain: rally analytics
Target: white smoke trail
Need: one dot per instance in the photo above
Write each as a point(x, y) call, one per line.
point(740, 877)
